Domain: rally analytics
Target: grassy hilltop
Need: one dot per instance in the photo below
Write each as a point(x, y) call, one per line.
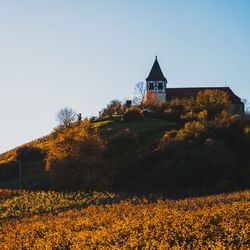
point(33, 170)
point(180, 147)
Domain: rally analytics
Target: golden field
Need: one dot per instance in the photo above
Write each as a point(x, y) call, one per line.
point(50, 220)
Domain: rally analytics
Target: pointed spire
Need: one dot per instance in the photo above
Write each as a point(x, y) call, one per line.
point(156, 73)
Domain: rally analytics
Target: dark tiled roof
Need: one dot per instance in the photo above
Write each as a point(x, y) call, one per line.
point(156, 73)
point(180, 93)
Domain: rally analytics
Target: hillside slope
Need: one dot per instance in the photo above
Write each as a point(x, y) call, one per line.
point(34, 175)
point(179, 147)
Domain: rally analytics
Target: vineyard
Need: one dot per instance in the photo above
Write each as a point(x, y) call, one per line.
point(51, 220)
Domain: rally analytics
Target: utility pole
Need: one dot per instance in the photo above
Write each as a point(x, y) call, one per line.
point(20, 174)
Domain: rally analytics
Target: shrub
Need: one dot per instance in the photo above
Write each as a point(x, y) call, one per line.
point(191, 130)
point(169, 135)
point(113, 107)
point(29, 153)
point(169, 142)
point(189, 116)
point(121, 142)
point(132, 114)
point(8, 170)
point(171, 111)
point(213, 101)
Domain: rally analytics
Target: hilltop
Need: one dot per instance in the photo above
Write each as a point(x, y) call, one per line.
point(178, 147)
point(33, 170)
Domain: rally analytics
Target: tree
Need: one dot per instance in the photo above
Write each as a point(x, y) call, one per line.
point(66, 117)
point(28, 153)
point(212, 99)
point(140, 91)
point(121, 142)
point(113, 107)
point(74, 158)
point(247, 105)
point(79, 117)
point(151, 101)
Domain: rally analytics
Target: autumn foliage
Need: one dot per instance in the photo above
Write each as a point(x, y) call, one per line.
point(184, 148)
point(212, 222)
point(151, 100)
point(74, 156)
point(211, 102)
point(132, 149)
point(113, 107)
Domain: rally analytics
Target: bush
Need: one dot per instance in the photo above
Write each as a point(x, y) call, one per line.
point(29, 153)
point(213, 101)
point(170, 111)
point(8, 170)
point(121, 142)
point(133, 114)
point(191, 130)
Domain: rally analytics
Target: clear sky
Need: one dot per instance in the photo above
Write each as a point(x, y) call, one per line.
point(82, 54)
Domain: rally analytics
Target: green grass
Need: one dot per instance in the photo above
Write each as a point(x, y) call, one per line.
point(148, 130)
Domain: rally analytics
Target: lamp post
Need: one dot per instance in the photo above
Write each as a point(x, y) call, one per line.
point(20, 175)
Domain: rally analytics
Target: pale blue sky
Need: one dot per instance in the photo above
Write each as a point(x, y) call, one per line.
point(82, 54)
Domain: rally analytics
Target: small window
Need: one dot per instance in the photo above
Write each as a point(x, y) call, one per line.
point(160, 85)
point(151, 85)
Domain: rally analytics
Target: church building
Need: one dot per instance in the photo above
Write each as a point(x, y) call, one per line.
point(156, 82)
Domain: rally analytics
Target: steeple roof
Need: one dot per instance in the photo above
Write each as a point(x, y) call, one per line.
point(156, 73)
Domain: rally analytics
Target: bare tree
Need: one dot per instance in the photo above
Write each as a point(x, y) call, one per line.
point(79, 117)
point(140, 92)
point(66, 117)
point(247, 105)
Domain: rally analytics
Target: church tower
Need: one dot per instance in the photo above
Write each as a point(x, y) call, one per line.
point(156, 81)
